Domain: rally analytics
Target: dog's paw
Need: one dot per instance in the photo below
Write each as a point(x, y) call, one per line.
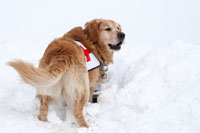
point(42, 118)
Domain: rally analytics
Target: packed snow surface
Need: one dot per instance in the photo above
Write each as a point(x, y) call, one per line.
point(151, 89)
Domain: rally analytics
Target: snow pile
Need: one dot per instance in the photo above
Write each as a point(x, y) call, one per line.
point(151, 88)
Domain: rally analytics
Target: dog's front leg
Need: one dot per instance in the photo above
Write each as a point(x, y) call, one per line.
point(91, 94)
point(44, 102)
point(93, 76)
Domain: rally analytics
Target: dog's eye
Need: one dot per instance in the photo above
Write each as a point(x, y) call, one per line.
point(118, 28)
point(107, 29)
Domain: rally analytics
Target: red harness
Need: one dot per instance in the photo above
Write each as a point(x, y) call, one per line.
point(86, 52)
point(91, 61)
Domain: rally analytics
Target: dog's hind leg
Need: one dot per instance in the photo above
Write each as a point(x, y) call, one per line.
point(44, 102)
point(78, 111)
point(76, 92)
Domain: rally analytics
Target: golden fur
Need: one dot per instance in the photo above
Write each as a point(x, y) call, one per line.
point(62, 70)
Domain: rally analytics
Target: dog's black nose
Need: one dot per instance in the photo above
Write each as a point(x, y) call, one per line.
point(121, 35)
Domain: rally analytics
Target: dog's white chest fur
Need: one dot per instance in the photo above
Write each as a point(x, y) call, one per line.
point(91, 61)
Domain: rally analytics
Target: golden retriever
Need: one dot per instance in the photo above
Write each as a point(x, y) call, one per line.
point(62, 70)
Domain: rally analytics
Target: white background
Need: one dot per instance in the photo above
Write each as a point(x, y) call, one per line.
point(154, 21)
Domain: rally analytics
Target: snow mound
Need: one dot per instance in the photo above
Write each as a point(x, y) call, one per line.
point(151, 88)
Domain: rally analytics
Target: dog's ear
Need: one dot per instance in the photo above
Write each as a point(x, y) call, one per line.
point(92, 30)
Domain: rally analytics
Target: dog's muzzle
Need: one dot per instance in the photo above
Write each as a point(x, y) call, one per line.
point(121, 36)
point(117, 46)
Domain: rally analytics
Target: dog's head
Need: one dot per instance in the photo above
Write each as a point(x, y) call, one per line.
point(105, 33)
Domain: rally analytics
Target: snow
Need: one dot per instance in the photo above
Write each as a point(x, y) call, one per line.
point(153, 85)
point(151, 88)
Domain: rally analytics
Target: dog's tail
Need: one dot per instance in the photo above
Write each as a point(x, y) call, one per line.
point(36, 77)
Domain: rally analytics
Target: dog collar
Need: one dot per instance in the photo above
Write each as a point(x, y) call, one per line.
point(91, 61)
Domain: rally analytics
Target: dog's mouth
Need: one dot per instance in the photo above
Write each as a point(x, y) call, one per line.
point(115, 46)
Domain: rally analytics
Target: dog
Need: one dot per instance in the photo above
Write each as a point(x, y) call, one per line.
point(62, 70)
